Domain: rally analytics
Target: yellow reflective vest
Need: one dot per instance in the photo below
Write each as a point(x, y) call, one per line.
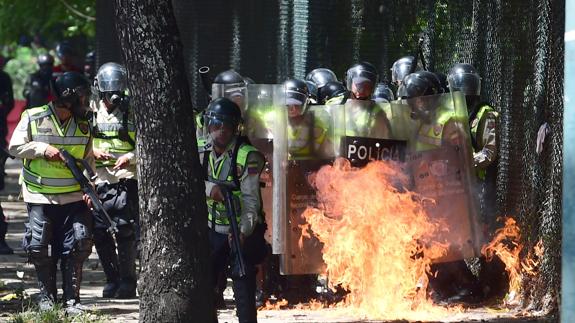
point(217, 210)
point(53, 177)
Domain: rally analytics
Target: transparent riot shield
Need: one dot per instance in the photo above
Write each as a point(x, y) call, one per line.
point(235, 92)
point(365, 132)
point(309, 144)
point(441, 164)
point(264, 103)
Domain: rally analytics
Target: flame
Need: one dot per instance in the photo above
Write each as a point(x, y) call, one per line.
point(377, 240)
point(507, 246)
point(274, 305)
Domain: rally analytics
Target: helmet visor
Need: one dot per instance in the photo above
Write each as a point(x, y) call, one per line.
point(399, 72)
point(360, 78)
point(468, 83)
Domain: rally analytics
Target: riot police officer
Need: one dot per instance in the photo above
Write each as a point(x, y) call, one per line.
point(229, 84)
point(333, 93)
point(58, 215)
point(312, 93)
point(400, 69)
point(320, 77)
point(438, 128)
point(382, 93)
point(229, 161)
point(364, 118)
point(37, 88)
point(68, 59)
point(233, 87)
point(116, 183)
point(482, 117)
point(306, 132)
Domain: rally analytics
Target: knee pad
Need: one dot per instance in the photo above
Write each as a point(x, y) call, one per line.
point(40, 228)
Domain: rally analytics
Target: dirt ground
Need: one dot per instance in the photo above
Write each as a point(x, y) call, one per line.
point(127, 310)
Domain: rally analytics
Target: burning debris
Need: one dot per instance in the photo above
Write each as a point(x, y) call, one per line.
point(506, 245)
point(379, 244)
point(378, 240)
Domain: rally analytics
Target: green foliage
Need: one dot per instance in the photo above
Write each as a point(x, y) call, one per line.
point(53, 19)
point(21, 66)
point(56, 315)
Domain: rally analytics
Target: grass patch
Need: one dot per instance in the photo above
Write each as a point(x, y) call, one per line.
point(56, 315)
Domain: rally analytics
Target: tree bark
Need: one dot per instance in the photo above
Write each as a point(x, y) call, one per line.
point(175, 275)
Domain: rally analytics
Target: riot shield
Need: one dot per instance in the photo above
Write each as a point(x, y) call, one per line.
point(441, 163)
point(235, 92)
point(263, 110)
point(365, 132)
point(310, 144)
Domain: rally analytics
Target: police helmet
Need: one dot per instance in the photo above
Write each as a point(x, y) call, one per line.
point(313, 91)
point(112, 77)
point(70, 86)
point(229, 84)
point(360, 73)
point(64, 49)
point(331, 90)
point(229, 77)
point(297, 93)
point(464, 78)
point(401, 68)
point(45, 59)
point(421, 83)
point(382, 93)
point(90, 58)
point(223, 111)
point(321, 76)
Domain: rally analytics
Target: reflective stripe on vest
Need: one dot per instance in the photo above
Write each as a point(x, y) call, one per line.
point(430, 136)
point(299, 141)
point(481, 173)
point(479, 117)
point(217, 210)
point(113, 144)
point(53, 177)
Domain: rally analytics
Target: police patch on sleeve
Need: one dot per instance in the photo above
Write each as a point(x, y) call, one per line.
point(83, 128)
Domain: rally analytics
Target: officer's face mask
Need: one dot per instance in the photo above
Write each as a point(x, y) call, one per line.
point(116, 99)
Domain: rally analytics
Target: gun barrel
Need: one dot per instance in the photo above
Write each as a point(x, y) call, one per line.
point(228, 196)
point(87, 187)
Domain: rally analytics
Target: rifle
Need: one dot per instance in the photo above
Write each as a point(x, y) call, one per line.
point(231, 212)
point(86, 185)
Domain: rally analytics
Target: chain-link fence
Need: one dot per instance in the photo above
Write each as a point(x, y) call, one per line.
point(516, 45)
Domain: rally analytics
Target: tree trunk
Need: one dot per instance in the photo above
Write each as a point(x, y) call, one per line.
point(175, 275)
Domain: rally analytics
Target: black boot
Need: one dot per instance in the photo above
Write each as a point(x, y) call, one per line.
point(127, 261)
point(72, 279)
point(46, 273)
point(106, 249)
